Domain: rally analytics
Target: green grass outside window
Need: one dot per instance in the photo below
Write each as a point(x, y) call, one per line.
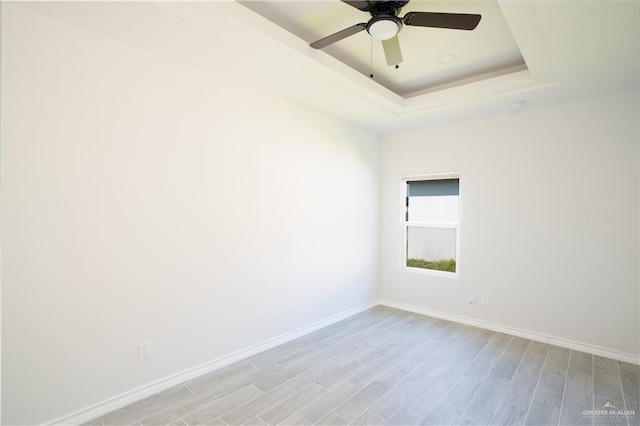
point(448, 265)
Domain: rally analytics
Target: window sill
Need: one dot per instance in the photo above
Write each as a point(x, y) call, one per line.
point(432, 272)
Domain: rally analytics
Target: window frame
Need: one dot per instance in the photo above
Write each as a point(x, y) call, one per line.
point(405, 224)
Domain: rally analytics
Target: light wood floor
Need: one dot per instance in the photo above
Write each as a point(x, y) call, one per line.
point(386, 366)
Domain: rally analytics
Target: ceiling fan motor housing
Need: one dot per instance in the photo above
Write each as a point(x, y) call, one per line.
point(386, 7)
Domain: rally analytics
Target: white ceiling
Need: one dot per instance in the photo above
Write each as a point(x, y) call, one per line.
point(572, 50)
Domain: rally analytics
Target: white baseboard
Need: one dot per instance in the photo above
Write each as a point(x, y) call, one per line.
point(124, 399)
point(538, 337)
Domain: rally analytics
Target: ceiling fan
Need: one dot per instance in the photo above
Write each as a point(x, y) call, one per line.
point(385, 24)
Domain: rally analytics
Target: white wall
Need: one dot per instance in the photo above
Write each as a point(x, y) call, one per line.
point(549, 219)
point(147, 201)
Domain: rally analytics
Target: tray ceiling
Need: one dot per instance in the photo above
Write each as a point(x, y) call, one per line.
point(572, 50)
point(433, 57)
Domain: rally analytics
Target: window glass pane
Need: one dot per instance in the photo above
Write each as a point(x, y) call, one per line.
point(431, 248)
point(430, 188)
point(437, 209)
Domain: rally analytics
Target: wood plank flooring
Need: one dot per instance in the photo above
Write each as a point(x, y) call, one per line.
point(386, 366)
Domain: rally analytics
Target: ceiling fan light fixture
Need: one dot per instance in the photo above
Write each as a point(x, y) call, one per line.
point(383, 28)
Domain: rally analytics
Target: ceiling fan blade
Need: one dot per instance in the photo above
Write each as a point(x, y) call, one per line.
point(358, 4)
point(324, 42)
point(454, 21)
point(392, 51)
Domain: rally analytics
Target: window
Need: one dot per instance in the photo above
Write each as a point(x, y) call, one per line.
point(431, 224)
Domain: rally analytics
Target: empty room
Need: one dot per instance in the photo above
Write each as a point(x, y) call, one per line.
point(320, 212)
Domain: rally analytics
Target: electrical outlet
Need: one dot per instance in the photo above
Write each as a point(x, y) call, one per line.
point(471, 299)
point(485, 299)
point(144, 350)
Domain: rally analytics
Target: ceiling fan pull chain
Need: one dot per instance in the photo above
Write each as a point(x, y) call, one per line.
point(371, 59)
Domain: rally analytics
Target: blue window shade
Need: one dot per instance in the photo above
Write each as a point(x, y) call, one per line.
point(431, 188)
